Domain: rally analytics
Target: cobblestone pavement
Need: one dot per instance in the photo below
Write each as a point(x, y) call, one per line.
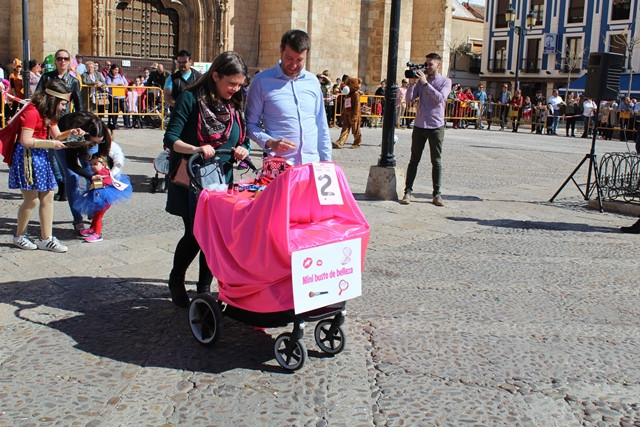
point(498, 309)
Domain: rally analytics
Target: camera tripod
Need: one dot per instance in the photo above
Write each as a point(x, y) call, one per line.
point(593, 167)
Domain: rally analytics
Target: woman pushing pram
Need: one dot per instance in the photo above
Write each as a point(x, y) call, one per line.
point(207, 116)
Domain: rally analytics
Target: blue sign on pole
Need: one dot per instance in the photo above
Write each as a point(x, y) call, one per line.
point(550, 42)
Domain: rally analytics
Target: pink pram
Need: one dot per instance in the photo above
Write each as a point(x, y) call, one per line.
point(248, 240)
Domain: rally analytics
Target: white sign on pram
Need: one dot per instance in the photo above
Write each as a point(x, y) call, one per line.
point(326, 274)
point(326, 179)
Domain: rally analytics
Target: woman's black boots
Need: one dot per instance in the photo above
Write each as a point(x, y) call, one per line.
point(178, 292)
point(203, 289)
point(205, 277)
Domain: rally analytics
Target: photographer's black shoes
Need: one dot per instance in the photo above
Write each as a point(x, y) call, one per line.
point(633, 229)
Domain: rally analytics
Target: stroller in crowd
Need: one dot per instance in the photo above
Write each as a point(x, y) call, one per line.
point(264, 245)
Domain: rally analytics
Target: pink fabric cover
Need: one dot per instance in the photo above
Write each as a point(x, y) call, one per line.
point(248, 242)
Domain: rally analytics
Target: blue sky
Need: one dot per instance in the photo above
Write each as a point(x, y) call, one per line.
point(480, 2)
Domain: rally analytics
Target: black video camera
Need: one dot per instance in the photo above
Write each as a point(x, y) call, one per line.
point(411, 72)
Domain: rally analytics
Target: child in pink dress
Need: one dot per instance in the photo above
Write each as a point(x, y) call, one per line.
point(104, 191)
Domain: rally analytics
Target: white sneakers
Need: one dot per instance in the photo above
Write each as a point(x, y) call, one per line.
point(51, 244)
point(23, 242)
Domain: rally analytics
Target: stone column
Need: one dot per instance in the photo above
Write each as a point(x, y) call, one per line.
point(244, 36)
point(110, 30)
point(36, 32)
point(98, 30)
point(373, 47)
point(431, 30)
point(45, 22)
point(274, 18)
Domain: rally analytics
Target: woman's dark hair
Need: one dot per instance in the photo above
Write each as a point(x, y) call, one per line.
point(32, 63)
point(225, 64)
point(47, 105)
point(92, 125)
point(113, 66)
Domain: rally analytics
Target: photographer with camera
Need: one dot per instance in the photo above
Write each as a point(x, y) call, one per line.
point(432, 89)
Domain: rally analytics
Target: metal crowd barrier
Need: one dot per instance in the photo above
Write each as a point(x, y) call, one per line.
point(624, 124)
point(2, 108)
point(104, 101)
point(619, 176)
point(537, 118)
point(5, 108)
point(370, 108)
point(464, 112)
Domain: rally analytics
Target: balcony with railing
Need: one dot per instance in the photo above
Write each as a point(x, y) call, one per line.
point(531, 65)
point(497, 65)
point(573, 66)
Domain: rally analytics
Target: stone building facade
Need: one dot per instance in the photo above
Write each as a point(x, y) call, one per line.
point(348, 36)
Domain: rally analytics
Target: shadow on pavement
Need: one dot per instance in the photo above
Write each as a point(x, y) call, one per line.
point(424, 197)
point(538, 225)
point(462, 198)
point(142, 183)
point(11, 195)
point(132, 320)
point(139, 159)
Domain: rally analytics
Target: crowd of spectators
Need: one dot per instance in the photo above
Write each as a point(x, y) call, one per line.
point(481, 110)
point(465, 107)
point(99, 91)
point(543, 115)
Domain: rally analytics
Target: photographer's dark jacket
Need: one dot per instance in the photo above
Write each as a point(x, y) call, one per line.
point(72, 85)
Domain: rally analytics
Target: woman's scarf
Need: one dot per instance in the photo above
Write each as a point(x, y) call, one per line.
point(216, 121)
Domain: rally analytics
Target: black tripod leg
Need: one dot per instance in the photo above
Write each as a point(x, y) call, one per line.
point(596, 172)
point(570, 178)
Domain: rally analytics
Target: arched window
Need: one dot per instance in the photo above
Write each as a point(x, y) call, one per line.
point(144, 28)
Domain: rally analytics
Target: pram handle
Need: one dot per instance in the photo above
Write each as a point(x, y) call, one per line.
point(198, 158)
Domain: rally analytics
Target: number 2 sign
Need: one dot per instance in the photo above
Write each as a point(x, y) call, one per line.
point(327, 186)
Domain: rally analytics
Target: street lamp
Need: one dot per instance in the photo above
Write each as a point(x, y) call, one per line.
point(510, 16)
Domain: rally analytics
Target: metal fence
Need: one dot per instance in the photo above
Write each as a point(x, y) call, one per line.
point(2, 108)
point(609, 123)
point(619, 176)
point(140, 104)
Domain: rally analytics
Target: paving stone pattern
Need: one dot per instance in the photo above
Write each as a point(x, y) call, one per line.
point(498, 309)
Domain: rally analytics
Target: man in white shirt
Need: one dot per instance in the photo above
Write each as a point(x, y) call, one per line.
point(555, 101)
point(588, 111)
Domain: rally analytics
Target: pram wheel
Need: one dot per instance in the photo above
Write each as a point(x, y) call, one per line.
point(290, 353)
point(205, 319)
point(328, 341)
